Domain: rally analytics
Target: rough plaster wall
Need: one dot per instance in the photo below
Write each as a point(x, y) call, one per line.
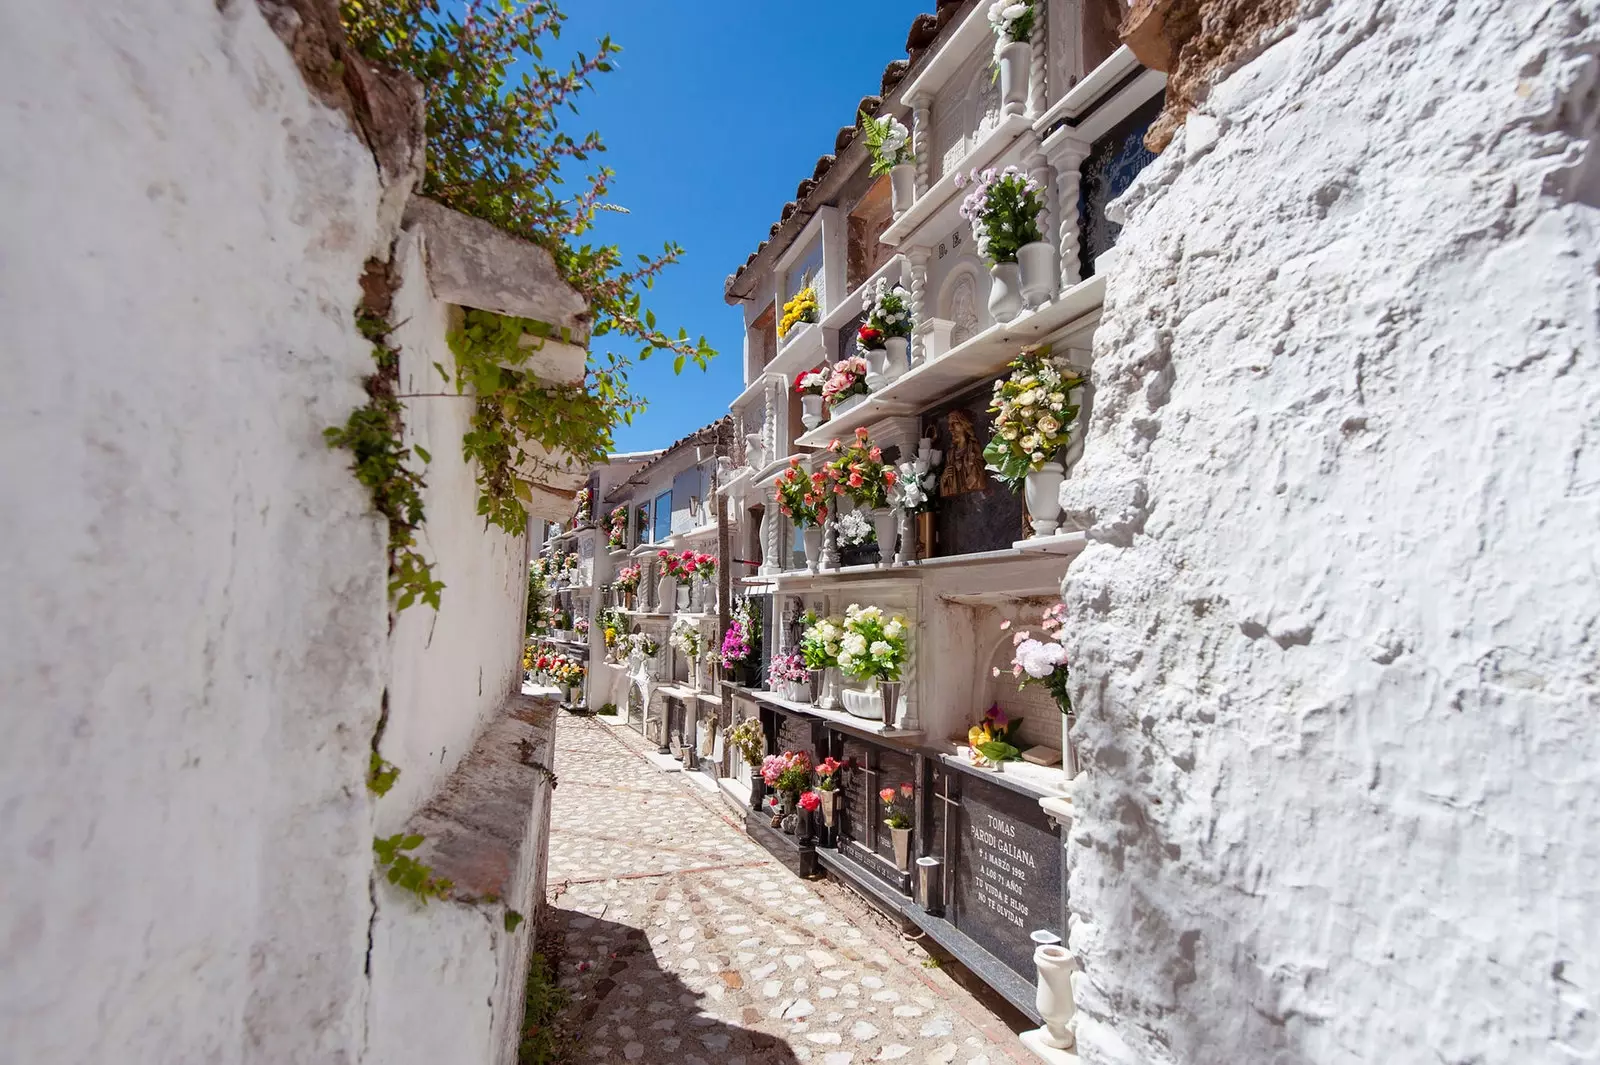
point(453, 669)
point(1335, 638)
point(194, 645)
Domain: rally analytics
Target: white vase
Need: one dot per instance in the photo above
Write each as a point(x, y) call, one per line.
point(811, 411)
point(1005, 291)
point(682, 600)
point(1040, 275)
point(863, 703)
point(885, 527)
point(899, 360)
point(902, 187)
point(666, 595)
point(1054, 996)
point(1016, 59)
point(1042, 490)
point(812, 535)
point(877, 366)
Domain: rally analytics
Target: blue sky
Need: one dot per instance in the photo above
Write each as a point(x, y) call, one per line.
point(711, 118)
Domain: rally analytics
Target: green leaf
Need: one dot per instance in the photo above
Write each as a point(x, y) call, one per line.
point(995, 751)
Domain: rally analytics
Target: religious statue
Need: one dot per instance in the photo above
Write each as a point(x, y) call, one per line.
point(963, 458)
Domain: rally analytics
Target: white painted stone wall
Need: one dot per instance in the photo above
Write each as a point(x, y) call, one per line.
point(452, 669)
point(1335, 637)
point(195, 639)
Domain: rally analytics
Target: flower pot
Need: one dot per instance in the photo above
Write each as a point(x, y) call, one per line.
point(708, 594)
point(889, 700)
point(848, 403)
point(575, 695)
point(817, 680)
point(811, 411)
point(1053, 999)
point(1042, 489)
point(626, 596)
point(902, 187)
point(812, 535)
point(863, 703)
point(1040, 276)
point(830, 801)
point(1016, 59)
point(681, 599)
point(902, 849)
point(666, 595)
point(925, 531)
point(1005, 291)
point(885, 525)
point(877, 367)
point(899, 361)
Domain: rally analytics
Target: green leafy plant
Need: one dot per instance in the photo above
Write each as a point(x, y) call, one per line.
point(513, 919)
point(497, 149)
point(543, 1041)
point(749, 740)
point(373, 435)
point(888, 142)
point(381, 774)
point(406, 872)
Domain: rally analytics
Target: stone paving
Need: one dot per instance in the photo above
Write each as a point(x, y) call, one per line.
point(687, 943)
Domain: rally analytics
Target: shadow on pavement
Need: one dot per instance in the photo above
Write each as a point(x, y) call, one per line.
point(627, 1008)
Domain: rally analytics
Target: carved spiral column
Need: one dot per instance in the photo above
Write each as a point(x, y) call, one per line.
point(772, 523)
point(1068, 179)
point(922, 141)
point(918, 259)
point(1038, 61)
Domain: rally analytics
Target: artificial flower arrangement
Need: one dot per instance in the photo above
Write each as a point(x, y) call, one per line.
point(643, 645)
point(874, 645)
point(1012, 21)
point(897, 806)
point(744, 631)
point(888, 311)
point(581, 504)
point(1042, 662)
point(788, 772)
point(991, 738)
point(627, 578)
point(698, 564)
point(801, 307)
point(810, 801)
point(820, 640)
point(1003, 210)
point(803, 498)
point(546, 662)
point(829, 771)
point(749, 740)
point(888, 142)
point(849, 378)
point(860, 472)
point(617, 529)
point(812, 382)
point(855, 530)
point(686, 638)
point(788, 667)
point(1034, 417)
point(581, 626)
point(916, 487)
point(613, 627)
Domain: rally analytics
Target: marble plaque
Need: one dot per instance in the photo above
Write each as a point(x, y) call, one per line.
point(1007, 872)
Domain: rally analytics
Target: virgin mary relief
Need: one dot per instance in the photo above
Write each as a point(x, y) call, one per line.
point(963, 467)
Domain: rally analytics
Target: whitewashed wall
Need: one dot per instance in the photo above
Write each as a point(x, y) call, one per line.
point(452, 669)
point(1335, 637)
point(195, 639)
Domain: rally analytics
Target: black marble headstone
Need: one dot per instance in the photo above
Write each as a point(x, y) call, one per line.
point(1007, 872)
point(986, 520)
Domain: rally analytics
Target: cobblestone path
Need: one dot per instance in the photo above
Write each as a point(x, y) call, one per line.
point(686, 943)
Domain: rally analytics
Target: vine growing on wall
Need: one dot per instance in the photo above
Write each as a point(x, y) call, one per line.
point(405, 872)
point(520, 420)
point(374, 435)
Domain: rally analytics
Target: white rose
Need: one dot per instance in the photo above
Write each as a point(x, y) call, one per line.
point(1057, 398)
point(893, 629)
point(880, 649)
point(1048, 425)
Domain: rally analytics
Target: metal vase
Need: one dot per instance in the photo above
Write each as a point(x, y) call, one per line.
point(889, 699)
point(815, 678)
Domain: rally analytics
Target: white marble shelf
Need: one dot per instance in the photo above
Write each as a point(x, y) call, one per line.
point(944, 192)
point(837, 717)
point(796, 580)
point(1035, 781)
point(653, 616)
point(957, 369)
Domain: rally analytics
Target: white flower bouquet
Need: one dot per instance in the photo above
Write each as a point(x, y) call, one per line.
point(1033, 417)
point(1012, 21)
point(888, 142)
point(888, 310)
point(873, 645)
point(855, 530)
point(1003, 210)
point(686, 638)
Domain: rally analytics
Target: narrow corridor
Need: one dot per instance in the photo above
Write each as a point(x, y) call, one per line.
point(685, 942)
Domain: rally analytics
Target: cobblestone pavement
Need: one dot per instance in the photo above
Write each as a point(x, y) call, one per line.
point(687, 943)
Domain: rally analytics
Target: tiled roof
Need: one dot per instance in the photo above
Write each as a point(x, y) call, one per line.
point(924, 31)
point(704, 435)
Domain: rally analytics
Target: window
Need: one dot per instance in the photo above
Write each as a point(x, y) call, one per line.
point(643, 516)
point(663, 517)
